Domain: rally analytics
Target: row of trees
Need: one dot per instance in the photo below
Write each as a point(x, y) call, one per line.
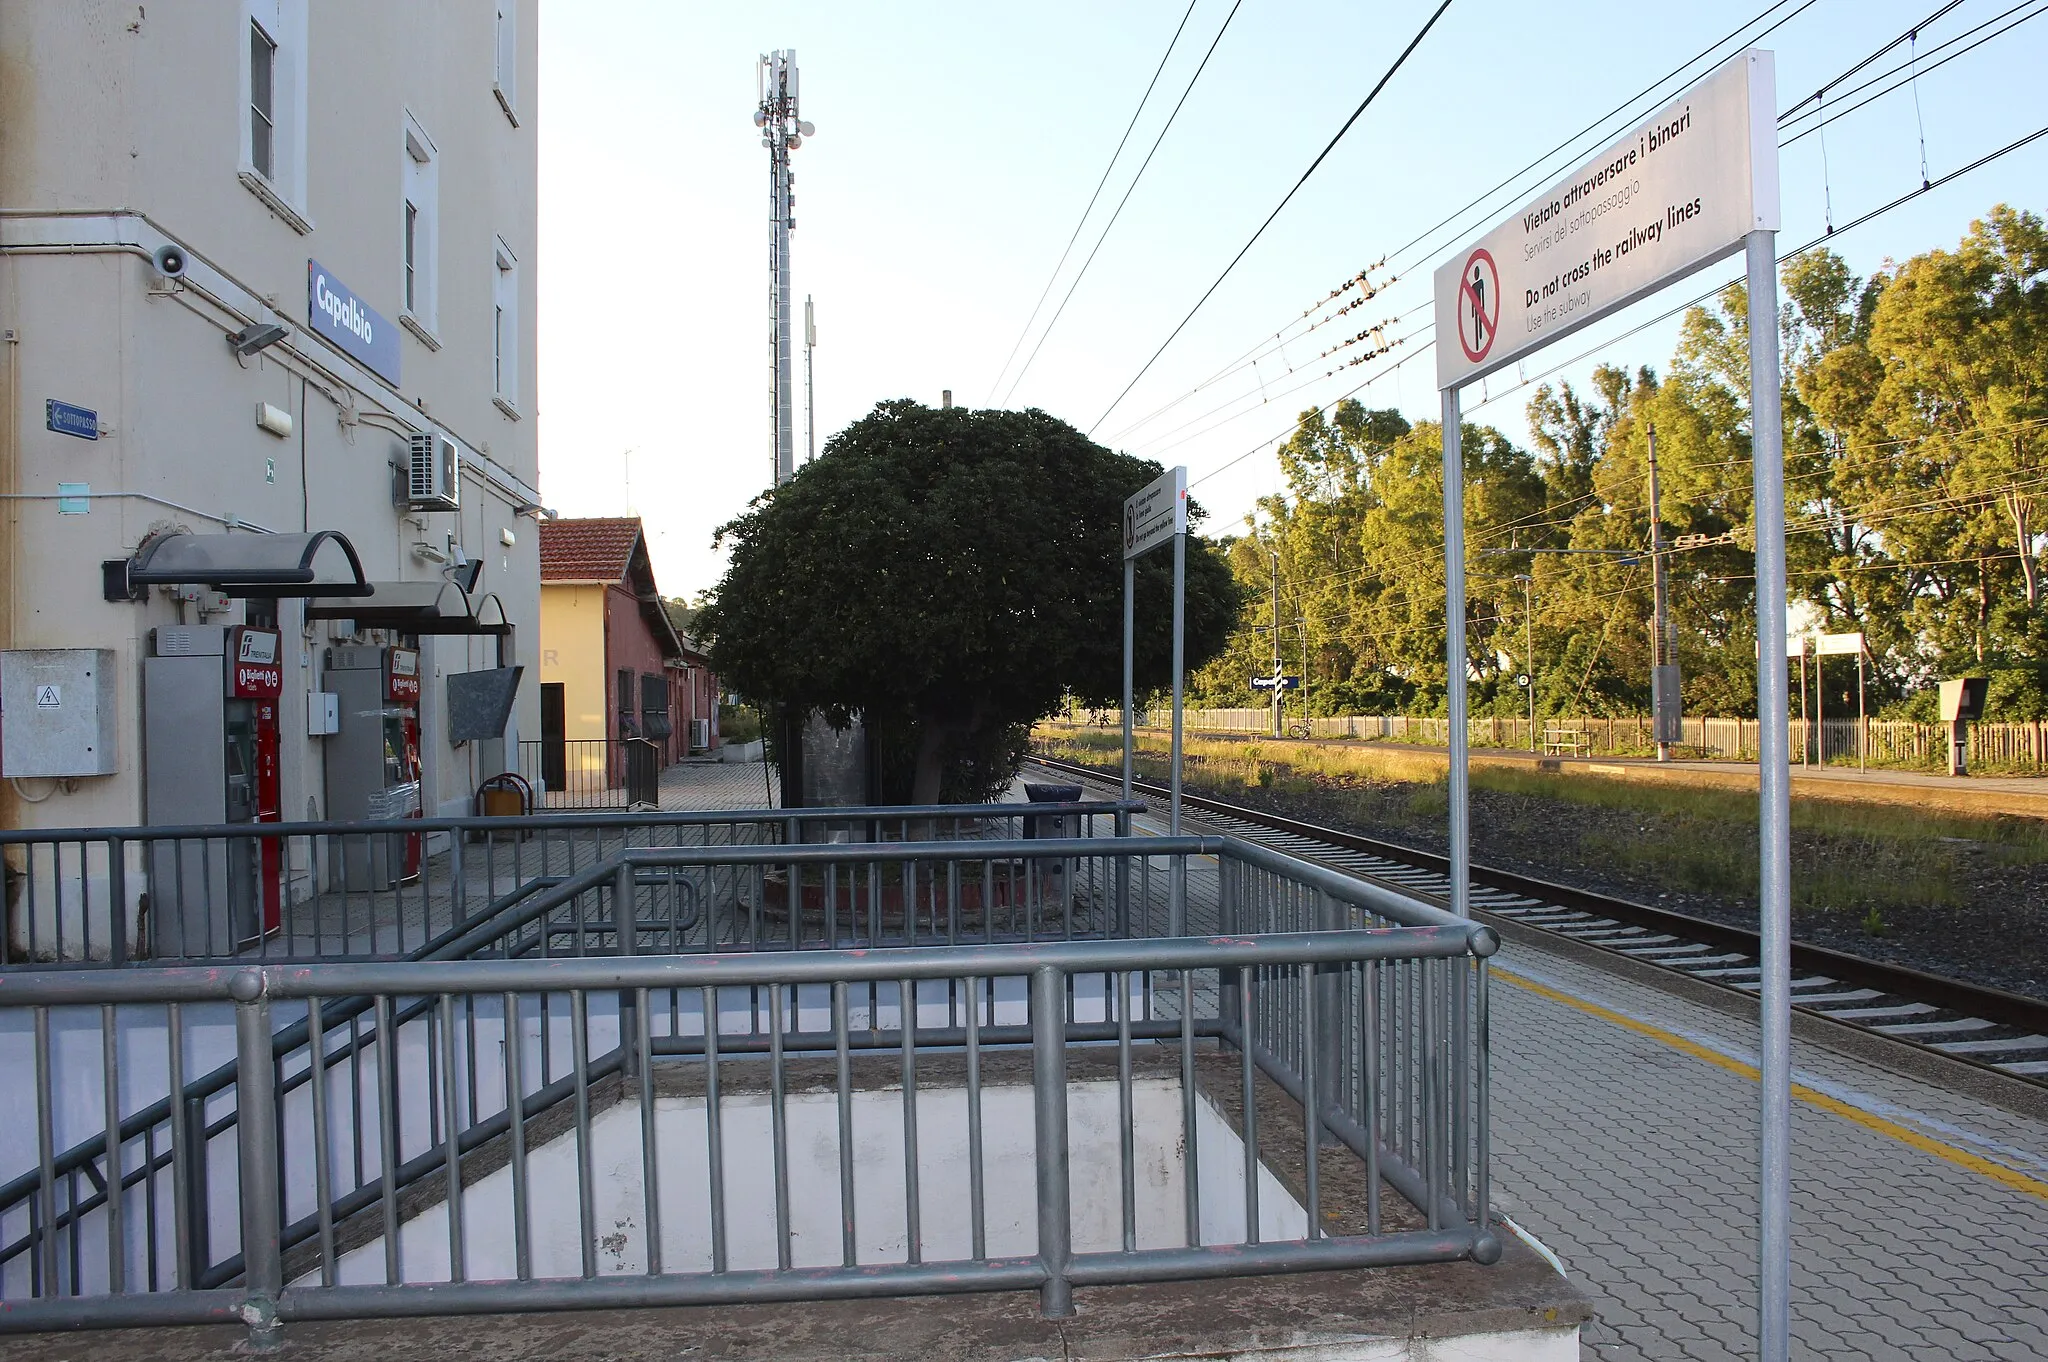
point(1916, 407)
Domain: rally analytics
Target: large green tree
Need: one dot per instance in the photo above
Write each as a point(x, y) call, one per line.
point(949, 576)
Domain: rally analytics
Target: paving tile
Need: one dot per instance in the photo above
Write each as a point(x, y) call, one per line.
point(1636, 1164)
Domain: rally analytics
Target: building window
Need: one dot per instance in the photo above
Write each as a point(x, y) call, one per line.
point(262, 100)
point(654, 706)
point(505, 326)
point(506, 85)
point(412, 253)
point(273, 72)
point(420, 247)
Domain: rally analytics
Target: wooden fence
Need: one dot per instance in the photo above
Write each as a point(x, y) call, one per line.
point(2011, 747)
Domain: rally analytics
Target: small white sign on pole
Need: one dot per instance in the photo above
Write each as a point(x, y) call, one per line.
point(1157, 513)
point(1843, 645)
point(1675, 195)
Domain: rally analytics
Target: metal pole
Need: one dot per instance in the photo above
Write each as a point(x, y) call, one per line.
point(1279, 702)
point(1180, 604)
point(1805, 727)
point(256, 1138)
point(810, 399)
point(1454, 654)
point(1049, 1110)
point(1660, 625)
point(1774, 808)
point(1130, 623)
point(1820, 708)
point(1301, 633)
point(1862, 717)
point(781, 133)
point(1529, 650)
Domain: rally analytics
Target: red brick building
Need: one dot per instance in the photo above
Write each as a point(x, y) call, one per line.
point(612, 666)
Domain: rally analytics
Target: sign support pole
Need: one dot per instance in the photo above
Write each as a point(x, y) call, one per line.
point(1454, 654)
point(1130, 628)
point(1774, 812)
point(1180, 611)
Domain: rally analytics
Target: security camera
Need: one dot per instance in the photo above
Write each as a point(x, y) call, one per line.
point(170, 261)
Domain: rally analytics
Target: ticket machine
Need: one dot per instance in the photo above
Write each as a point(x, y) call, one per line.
point(373, 761)
point(210, 756)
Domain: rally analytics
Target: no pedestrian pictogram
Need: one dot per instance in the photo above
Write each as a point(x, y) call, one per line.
point(1478, 305)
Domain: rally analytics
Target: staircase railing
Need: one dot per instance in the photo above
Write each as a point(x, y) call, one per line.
point(432, 1077)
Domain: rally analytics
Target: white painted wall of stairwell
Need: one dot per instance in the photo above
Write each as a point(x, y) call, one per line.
point(78, 1113)
point(683, 1174)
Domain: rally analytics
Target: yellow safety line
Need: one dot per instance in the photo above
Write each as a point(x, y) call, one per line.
point(1961, 1158)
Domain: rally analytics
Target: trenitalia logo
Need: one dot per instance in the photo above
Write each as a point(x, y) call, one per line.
point(345, 312)
point(336, 313)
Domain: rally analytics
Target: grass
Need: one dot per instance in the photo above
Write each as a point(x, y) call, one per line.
point(1866, 858)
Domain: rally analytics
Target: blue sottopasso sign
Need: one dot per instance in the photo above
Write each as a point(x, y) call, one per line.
point(334, 311)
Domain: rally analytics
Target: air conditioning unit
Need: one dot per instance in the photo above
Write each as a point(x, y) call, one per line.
point(433, 473)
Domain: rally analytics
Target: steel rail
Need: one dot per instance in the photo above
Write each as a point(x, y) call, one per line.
point(1956, 995)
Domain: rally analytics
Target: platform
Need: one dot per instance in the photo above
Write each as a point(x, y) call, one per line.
point(1625, 1142)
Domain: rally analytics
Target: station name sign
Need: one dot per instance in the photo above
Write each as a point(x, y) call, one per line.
point(1157, 513)
point(333, 310)
point(1677, 194)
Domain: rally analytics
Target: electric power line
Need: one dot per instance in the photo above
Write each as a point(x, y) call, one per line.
point(1082, 273)
point(1128, 127)
point(1364, 104)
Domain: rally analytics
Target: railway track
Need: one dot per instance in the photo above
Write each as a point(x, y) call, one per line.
point(1985, 1027)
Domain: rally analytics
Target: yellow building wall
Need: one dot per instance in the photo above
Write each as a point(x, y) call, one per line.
point(572, 654)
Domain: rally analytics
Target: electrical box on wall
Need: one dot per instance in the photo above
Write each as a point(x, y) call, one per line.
point(323, 713)
point(57, 712)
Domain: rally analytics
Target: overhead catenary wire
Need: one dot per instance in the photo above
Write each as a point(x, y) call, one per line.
point(1790, 115)
point(1053, 278)
point(1363, 105)
point(1129, 189)
point(1524, 383)
point(1237, 364)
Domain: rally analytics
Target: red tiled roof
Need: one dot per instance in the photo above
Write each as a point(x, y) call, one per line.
point(594, 550)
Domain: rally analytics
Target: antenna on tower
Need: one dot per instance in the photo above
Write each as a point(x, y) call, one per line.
point(810, 404)
point(782, 131)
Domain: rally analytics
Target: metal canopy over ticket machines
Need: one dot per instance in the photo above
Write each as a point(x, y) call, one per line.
point(1695, 184)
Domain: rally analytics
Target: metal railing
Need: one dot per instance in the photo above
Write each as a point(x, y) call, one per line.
point(593, 773)
point(399, 1137)
point(110, 896)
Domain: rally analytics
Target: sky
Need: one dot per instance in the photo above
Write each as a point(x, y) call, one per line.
point(957, 145)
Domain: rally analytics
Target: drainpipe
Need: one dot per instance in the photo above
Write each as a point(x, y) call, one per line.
point(10, 512)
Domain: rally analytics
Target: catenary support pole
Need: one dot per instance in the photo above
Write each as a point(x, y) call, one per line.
point(1529, 649)
point(1663, 698)
point(1279, 696)
point(1130, 624)
point(1774, 812)
point(1454, 654)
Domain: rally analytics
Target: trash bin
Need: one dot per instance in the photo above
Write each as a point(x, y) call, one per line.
point(643, 773)
point(1052, 825)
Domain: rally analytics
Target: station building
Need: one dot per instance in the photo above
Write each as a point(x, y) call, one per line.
point(266, 296)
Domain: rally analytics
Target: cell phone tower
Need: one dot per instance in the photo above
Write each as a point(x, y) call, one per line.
point(782, 132)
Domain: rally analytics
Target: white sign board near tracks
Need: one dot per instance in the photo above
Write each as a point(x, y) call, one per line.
point(1674, 196)
point(1157, 513)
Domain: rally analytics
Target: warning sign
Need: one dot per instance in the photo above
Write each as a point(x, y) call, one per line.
point(1478, 304)
point(1674, 196)
point(49, 697)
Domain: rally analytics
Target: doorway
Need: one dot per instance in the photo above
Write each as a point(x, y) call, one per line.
point(554, 748)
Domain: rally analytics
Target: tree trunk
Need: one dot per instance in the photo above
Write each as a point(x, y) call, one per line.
point(1983, 608)
point(931, 762)
point(2020, 507)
